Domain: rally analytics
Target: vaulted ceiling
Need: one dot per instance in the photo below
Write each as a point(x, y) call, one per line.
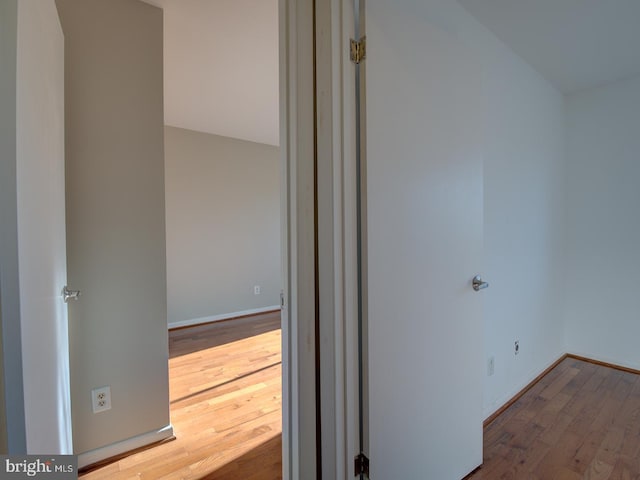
point(574, 44)
point(221, 67)
point(221, 56)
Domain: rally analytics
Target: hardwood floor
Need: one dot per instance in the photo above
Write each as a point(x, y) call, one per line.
point(581, 421)
point(226, 403)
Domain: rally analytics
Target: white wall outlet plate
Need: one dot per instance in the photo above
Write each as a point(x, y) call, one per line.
point(257, 290)
point(101, 399)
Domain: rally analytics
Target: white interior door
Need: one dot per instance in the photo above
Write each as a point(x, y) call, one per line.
point(40, 182)
point(424, 242)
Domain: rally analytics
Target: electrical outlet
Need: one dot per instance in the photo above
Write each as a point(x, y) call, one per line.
point(101, 399)
point(257, 290)
point(517, 347)
point(491, 366)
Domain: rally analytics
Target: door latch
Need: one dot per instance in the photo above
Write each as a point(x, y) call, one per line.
point(68, 294)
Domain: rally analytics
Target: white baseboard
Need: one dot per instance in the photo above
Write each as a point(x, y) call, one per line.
point(223, 316)
point(99, 454)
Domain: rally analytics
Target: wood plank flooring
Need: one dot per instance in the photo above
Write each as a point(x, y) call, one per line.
point(580, 422)
point(226, 406)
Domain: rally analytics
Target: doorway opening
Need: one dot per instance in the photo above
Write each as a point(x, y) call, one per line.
point(222, 178)
point(223, 224)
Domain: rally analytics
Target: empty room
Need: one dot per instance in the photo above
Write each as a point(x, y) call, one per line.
point(224, 280)
point(415, 258)
point(501, 183)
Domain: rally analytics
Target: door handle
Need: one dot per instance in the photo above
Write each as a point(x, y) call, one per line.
point(70, 294)
point(478, 284)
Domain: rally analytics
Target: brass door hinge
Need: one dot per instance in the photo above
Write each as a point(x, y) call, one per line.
point(358, 50)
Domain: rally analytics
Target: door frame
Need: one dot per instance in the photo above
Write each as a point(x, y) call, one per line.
point(298, 309)
point(317, 125)
point(319, 239)
point(12, 416)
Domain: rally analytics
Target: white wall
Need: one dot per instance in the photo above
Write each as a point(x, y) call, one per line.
point(223, 225)
point(41, 227)
point(524, 214)
point(603, 185)
point(524, 220)
point(116, 223)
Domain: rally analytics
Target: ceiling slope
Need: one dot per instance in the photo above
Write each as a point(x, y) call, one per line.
point(221, 67)
point(574, 44)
